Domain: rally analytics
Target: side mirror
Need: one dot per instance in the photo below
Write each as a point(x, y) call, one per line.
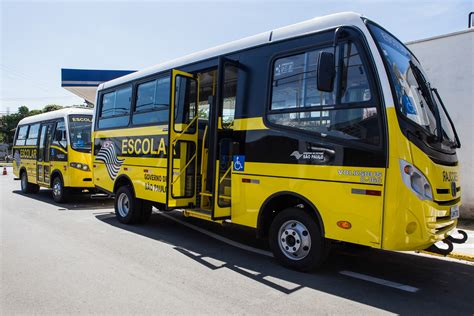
point(58, 135)
point(326, 71)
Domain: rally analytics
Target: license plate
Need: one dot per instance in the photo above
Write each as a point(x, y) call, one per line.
point(454, 212)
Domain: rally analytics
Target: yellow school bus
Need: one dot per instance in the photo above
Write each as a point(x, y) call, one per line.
point(53, 150)
point(326, 130)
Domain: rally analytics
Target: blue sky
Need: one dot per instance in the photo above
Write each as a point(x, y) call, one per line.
point(40, 38)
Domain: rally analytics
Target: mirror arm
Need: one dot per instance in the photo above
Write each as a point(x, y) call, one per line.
point(339, 62)
point(336, 36)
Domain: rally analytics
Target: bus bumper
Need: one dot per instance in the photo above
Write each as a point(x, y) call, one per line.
point(448, 241)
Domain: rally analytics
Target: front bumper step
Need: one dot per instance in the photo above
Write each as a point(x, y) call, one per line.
point(449, 242)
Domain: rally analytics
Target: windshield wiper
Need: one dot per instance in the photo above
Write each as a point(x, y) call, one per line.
point(427, 93)
point(457, 142)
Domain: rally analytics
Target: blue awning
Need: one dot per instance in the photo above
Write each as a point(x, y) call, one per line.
point(84, 82)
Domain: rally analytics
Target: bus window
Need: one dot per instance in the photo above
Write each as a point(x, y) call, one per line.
point(297, 103)
point(185, 104)
point(60, 135)
point(153, 101)
point(80, 133)
point(33, 135)
point(207, 89)
point(21, 136)
point(230, 92)
point(115, 108)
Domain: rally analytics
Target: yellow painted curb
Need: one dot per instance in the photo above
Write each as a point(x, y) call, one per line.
point(454, 255)
point(461, 256)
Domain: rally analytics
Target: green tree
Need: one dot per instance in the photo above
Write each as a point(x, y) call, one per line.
point(52, 107)
point(8, 124)
point(35, 112)
point(23, 111)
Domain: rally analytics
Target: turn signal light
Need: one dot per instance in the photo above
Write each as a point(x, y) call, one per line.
point(344, 224)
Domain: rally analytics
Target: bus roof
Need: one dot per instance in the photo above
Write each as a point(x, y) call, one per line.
point(294, 30)
point(54, 115)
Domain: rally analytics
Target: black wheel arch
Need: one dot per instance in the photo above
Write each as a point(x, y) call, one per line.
point(123, 180)
point(54, 174)
point(283, 200)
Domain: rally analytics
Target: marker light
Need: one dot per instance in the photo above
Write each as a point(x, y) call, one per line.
point(344, 224)
point(416, 181)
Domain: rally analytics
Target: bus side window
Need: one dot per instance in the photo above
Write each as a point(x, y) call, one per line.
point(60, 138)
point(207, 88)
point(349, 112)
point(33, 135)
point(21, 135)
point(185, 103)
point(229, 94)
point(153, 101)
point(115, 108)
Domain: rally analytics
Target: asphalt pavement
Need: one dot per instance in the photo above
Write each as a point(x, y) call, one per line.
point(76, 258)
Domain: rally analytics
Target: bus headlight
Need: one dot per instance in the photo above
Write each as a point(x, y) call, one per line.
point(416, 181)
point(80, 166)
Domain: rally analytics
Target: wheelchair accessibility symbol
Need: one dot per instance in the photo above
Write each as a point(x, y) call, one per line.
point(239, 163)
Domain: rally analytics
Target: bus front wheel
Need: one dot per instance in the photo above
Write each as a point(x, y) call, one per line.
point(296, 240)
point(60, 193)
point(129, 209)
point(27, 187)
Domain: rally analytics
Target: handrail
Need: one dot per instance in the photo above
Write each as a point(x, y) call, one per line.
point(184, 130)
point(204, 136)
point(184, 168)
point(225, 174)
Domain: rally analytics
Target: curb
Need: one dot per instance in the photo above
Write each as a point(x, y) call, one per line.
point(461, 256)
point(453, 255)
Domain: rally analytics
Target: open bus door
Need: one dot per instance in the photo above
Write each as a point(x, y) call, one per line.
point(43, 161)
point(183, 141)
point(221, 143)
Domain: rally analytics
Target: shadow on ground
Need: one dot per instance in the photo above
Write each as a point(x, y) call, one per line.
point(444, 286)
point(76, 201)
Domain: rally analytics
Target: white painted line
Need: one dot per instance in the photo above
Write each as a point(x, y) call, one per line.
point(463, 246)
point(372, 279)
point(220, 238)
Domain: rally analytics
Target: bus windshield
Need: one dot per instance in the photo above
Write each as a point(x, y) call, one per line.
point(80, 132)
point(414, 95)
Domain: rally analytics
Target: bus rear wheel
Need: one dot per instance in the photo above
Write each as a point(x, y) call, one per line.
point(60, 193)
point(27, 187)
point(129, 209)
point(296, 240)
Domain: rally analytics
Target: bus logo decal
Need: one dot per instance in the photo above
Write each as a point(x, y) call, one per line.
point(311, 155)
point(108, 155)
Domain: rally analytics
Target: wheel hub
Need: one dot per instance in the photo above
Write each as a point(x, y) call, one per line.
point(123, 205)
point(57, 189)
point(294, 240)
point(23, 181)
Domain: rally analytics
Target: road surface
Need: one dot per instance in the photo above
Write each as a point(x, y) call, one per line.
point(77, 258)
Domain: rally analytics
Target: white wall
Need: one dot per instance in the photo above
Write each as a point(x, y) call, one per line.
point(448, 61)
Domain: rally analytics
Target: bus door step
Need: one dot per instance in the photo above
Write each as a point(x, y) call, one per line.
point(100, 196)
point(199, 213)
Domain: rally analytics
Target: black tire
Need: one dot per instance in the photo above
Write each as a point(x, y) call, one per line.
point(60, 193)
point(27, 187)
point(145, 212)
point(299, 233)
point(129, 209)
